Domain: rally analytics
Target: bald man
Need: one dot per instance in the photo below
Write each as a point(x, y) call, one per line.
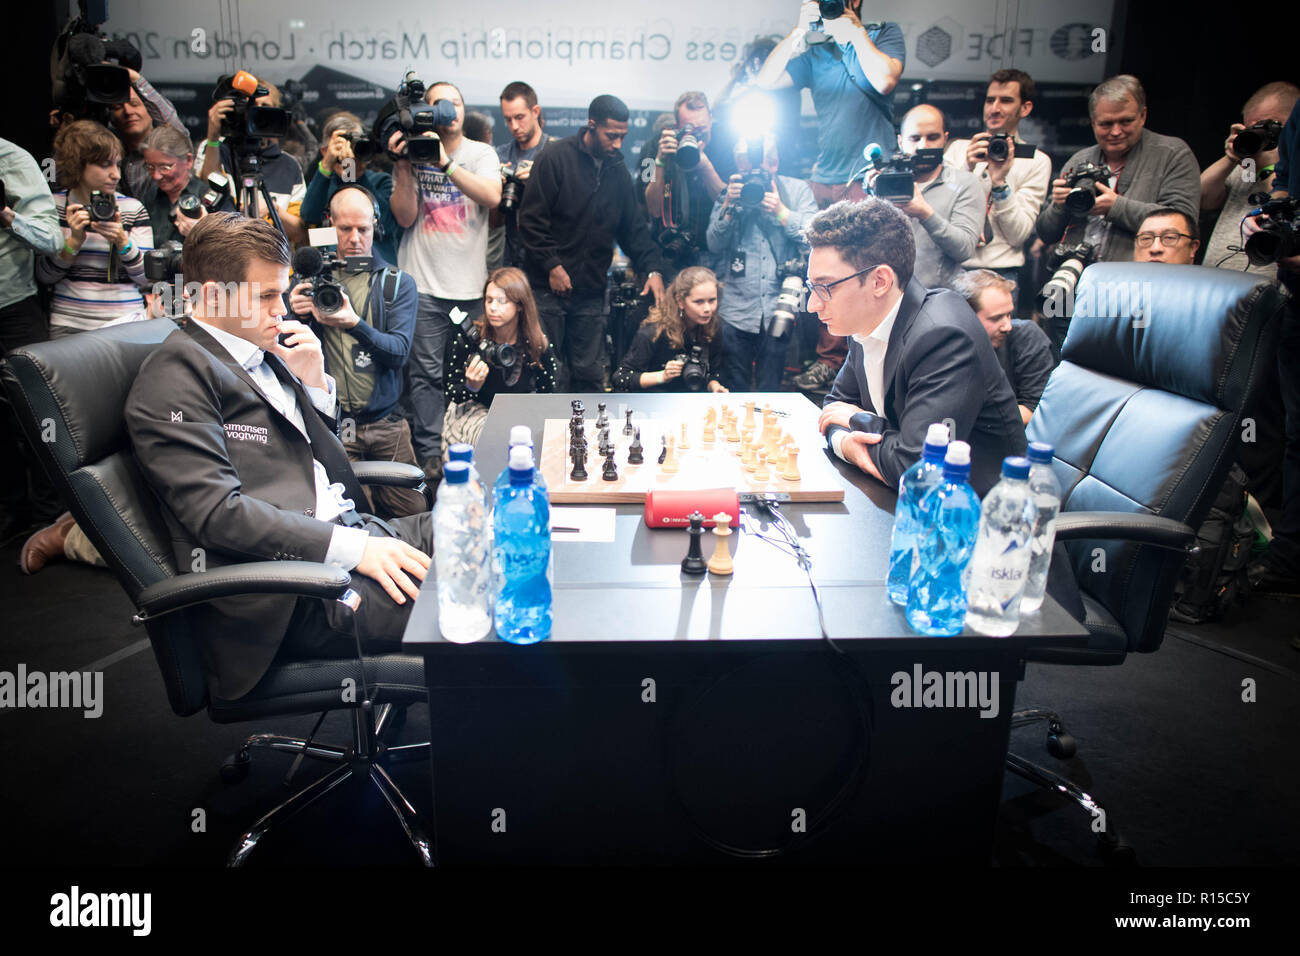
point(946, 210)
point(365, 344)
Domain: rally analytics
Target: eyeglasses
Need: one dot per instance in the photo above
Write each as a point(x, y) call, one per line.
point(163, 168)
point(823, 290)
point(1171, 239)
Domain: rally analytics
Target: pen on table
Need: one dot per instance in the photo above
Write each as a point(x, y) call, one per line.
point(563, 528)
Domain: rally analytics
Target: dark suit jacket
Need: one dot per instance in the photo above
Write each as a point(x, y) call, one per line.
point(939, 365)
point(235, 479)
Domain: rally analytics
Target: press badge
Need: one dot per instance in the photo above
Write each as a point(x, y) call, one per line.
point(361, 359)
point(737, 267)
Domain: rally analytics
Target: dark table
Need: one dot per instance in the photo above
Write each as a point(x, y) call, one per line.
point(672, 718)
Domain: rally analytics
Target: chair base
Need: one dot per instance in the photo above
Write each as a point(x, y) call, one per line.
point(363, 758)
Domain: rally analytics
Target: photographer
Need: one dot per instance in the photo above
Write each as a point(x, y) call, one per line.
point(751, 243)
point(947, 205)
point(338, 166)
point(444, 210)
point(679, 345)
point(742, 104)
point(479, 368)
point(680, 188)
point(523, 117)
point(1015, 186)
point(280, 171)
point(99, 272)
point(365, 344)
point(580, 199)
point(144, 111)
point(1226, 185)
point(1147, 170)
point(169, 162)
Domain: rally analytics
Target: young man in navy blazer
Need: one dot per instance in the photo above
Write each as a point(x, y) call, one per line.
point(235, 431)
point(916, 355)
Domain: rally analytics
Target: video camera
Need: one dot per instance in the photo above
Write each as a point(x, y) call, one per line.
point(408, 112)
point(897, 178)
point(1001, 145)
point(1083, 181)
point(695, 369)
point(1259, 138)
point(1066, 263)
point(247, 125)
point(83, 83)
point(1279, 236)
point(326, 292)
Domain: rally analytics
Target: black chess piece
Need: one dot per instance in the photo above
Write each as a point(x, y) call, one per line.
point(694, 562)
point(579, 409)
point(579, 455)
point(610, 472)
point(663, 453)
point(634, 451)
point(628, 429)
point(602, 420)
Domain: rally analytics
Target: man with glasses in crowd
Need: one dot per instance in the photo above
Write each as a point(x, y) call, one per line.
point(1167, 235)
point(916, 355)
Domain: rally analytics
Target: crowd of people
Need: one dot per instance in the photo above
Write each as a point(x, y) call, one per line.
point(465, 270)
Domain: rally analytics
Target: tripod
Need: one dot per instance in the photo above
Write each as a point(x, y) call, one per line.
point(250, 185)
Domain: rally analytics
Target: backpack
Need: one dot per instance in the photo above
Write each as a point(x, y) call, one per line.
point(1214, 577)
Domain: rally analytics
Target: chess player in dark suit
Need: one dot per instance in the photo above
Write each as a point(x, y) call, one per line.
point(235, 431)
point(916, 355)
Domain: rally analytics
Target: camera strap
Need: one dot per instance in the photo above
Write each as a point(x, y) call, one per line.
point(873, 31)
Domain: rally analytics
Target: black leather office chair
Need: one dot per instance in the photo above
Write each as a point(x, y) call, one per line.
point(69, 395)
point(1145, 414)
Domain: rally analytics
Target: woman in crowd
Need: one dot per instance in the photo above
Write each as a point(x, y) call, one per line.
point(169, 161)
point(668, 338)
point(98, 274)
point(479, 368)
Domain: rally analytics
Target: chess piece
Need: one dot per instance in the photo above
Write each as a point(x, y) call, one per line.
point(791, 470)
point(685, 443)
point(750, 460)
point(579, 409)
point(670, 460)
point(710, 416)
point(634, 451)
point(709, 436)
point(721, 562)
point(749, 416)
point(729, 431)
point(694, 563)
point(761, 471)
point(610, 472)
point(578, 454)
point(602, 420)
point(663, 452)
point(627, 429)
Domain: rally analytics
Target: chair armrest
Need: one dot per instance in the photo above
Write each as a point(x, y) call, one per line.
point(305, 578)
point(1124, 526)
point(396, 473)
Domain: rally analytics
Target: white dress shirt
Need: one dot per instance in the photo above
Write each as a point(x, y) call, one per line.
point(346, 544)
point(873, 346)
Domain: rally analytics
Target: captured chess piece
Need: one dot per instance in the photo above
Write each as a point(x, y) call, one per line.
point(791, 470)
point(694, 562)
point(670, 460)
point(635, 450)
point(721, 562)
point(610, 471)
point(627, 429)
point(685, 443)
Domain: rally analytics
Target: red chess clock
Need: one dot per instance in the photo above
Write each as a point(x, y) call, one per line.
point(670, 509)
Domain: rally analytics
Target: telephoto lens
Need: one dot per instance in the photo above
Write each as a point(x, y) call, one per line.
point(190, 206)
point(688, 149)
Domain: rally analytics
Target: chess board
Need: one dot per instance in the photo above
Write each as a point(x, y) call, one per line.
point(701, 463)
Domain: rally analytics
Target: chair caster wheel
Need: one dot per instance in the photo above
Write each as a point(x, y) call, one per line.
point(235, 767)
point(1060, 746)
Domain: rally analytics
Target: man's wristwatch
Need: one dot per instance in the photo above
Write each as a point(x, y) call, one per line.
point(1000, 192)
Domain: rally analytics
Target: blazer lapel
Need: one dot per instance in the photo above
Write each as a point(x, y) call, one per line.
point(913, 299)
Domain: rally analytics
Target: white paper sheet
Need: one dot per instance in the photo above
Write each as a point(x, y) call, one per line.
point(592, 524)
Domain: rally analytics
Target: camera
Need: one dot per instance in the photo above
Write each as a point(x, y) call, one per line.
point(408, 112)
point(83, 83)
point(1278, 237)
point(695, 369)
point(1001, 146)
point(103, 206)
point(688, 147)
point(164, 263)
point(789, 301)
point(247, 124)
point(675, 243)
point(216, 193)
point(1066, 264)
point(325, 292)
point(1082, 181)
point(500, 355)
point(1259, 138)
point(754, 185)
point(364, 148)
point(511, 191)
point(897, 178)
point(190, 207)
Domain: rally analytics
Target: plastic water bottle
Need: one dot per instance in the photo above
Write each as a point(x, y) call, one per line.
point(461, 558)
point(914, 485)
point(522, 554)
point(1047, 496)
point(948, 522)
point(465, 452)
point(519, 435)
point(995, 579)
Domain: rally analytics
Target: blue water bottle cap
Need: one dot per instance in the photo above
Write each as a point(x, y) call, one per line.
point(1040, 452)
point(461, 452)
point(1016, 467)
point(455, 472)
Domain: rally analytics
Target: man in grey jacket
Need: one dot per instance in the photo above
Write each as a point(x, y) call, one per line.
point(1149, 171)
